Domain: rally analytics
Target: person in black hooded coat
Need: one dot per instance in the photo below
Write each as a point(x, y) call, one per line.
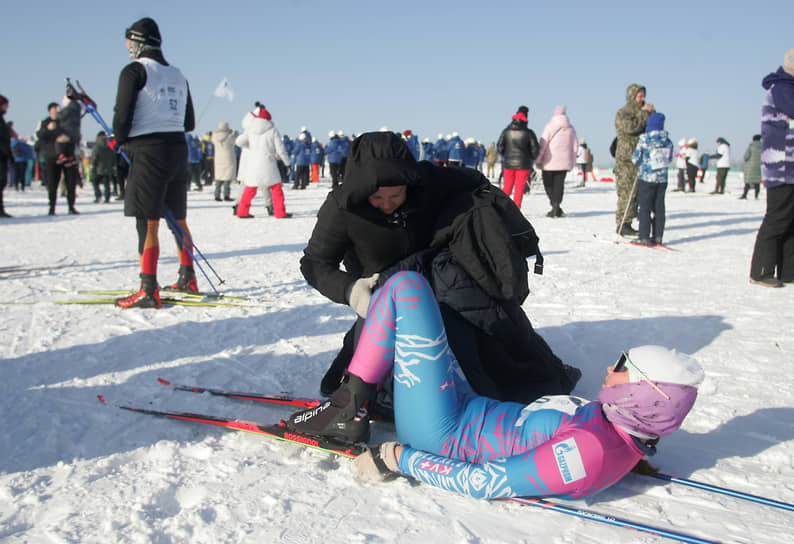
point(369, 239)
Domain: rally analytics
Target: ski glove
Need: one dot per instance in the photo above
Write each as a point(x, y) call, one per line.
point(378, 464)
point(360, 293)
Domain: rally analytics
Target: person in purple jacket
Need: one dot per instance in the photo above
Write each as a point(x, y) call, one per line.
point(452, 438)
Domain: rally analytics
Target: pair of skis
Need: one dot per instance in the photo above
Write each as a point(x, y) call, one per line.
point(280, 432)
point(167, 301)
point(636, 243)
point(167, 297)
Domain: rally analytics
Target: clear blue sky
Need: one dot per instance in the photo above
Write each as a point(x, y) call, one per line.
point(431, 66)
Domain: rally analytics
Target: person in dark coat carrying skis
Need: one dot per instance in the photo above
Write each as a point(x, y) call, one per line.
point(152, 113)
point(393, 213)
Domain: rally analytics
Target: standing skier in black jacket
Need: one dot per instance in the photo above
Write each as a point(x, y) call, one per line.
point(152, 113)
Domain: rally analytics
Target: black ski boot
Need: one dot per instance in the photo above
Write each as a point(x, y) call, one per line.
point(626, 230)
point(186, 283)
point(147, 297)
point(343, 416)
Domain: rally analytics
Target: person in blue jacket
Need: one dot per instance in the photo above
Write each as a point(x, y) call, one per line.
point(333, 150)
point(471, 154)
point(413, 143)
point(23, 154)
point(428, 153)
point(455, 148)
point(653, 155)
point(317, 157)
point(194, 159)
point(303, 155)
point(344, 143)
point(440, 151)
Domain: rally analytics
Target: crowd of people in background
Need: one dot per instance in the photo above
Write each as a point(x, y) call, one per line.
point(56, 155)
point(553, 158)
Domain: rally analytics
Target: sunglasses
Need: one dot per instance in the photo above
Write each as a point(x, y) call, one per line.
point(620, 366)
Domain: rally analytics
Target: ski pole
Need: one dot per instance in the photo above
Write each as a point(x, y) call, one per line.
point(610, 520)
point(183, 237)
point(724, 491)
point(220, 279)
point(628, 204)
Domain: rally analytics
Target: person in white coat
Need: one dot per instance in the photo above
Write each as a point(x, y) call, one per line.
point(581, 160)
point(225, 160)
point(558, 148)
point(680, 164)
point(723, 156)
point(261, 146)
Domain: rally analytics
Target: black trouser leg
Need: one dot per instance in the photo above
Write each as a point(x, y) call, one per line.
point(71, 176)
point(20, 168)
point(774, 243)
point(53, 178)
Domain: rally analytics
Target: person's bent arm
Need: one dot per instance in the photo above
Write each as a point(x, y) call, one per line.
point(325, 252)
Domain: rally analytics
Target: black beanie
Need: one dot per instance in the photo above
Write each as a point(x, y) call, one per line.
point(145, 31)
point(523, 109)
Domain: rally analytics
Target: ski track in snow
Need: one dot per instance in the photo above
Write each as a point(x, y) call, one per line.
point(72, 470)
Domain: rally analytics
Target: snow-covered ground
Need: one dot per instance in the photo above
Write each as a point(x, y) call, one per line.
point(72, 470)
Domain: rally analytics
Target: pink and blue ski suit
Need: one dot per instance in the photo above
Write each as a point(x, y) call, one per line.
point(474, 445)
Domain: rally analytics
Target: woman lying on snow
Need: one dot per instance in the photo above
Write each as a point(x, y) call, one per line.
point(451, 438)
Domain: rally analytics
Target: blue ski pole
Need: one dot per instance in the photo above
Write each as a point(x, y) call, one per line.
point(724, 491)
point(610, 520)
point(182, 235)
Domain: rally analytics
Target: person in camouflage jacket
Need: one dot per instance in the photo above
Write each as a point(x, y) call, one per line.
point(630, 123)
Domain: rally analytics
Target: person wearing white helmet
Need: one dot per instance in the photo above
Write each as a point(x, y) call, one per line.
point(692, 164)
point(344, 143)
point(440, 151)
point(452, 438)
point(333, 150)
point(303, 154)
point(455, 147)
